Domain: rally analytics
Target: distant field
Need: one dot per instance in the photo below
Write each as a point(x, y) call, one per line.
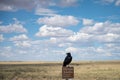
point(109, 70)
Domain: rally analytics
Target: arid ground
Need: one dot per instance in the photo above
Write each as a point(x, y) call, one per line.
point(100, 70)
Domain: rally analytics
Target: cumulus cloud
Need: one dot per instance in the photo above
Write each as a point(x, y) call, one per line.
point(6, 8)
point(87, 52)
point(88, 22)
point(1, 38)
point(100, 38)
point(19, 38)
point(109, 37)
point(64, 44)
point(53, 40)
point(117, 3)
point(49, 31)
point(22, 43)
point(15, 27)
point(104, 31)
point(65, 3)
point(6, 51)
point(71, 49)
point(106, 2)
point(45, 12)
point(13, 5)
point(81, 37)
point(102, 28)
point(59, 20)
point(104, 36)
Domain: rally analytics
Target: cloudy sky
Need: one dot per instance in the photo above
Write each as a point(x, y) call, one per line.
point(44, 30)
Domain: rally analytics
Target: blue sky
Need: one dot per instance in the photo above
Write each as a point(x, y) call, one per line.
point(44, 30)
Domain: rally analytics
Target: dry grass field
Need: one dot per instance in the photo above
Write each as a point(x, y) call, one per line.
point(105, 70)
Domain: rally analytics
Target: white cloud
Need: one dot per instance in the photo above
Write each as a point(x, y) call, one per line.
point(65, 3)
point(19, 38)
point(13, 5)
point(106, 2)
point(82, 37)
point(108, 54)
point(86, 50)
point(53, 40)
point(22, 43)
point(64, 44)
point(47, 31)
point(95, 40)
point(6, 51)
point(58, 20)
point(15, 27)
point(7, 8)
point(99, 40)
point(88, 22)
point(100, 34)
point(109, 37)
point(117, 3)
point(1, 38)
point(44, 12)
point(71, 49)
point(102, 28)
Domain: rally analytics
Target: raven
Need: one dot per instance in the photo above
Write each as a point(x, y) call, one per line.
point(67, 59)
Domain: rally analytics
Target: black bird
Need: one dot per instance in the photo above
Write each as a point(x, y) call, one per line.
point(67, 59)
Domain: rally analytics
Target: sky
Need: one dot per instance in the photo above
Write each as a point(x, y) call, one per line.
point(45, 30)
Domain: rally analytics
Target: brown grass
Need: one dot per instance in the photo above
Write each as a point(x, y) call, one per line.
point(109, 70)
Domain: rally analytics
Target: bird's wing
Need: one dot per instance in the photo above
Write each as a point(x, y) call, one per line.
point(67, 59)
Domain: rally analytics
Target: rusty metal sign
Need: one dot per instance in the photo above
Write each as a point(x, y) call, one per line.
point(67, 72)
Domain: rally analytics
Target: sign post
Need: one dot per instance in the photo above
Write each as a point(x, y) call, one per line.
point(67, 73)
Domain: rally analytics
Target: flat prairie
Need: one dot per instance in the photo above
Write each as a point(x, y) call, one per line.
point(86, 70)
